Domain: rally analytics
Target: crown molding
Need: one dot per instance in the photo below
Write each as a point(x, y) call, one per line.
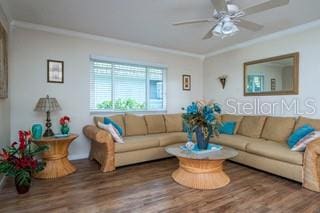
point(60, 31)
point(269, 37)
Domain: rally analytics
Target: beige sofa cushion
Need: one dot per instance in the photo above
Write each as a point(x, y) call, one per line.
point(278, 128)
point(315, 123)
point(276, 151)
point(235, 141)
point(118, 119)
point(234, 118)
point(135, 125)
point(133, 143)
point(155, 124)
point(173, 122)
point(251, 126)
point(172, 138)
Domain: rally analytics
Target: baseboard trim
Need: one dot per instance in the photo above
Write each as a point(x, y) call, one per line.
point(78, 156)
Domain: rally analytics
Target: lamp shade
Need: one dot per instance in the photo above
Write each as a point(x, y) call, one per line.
point(47, 104)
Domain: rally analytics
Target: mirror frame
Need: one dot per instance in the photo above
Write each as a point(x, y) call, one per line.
point(295, 75)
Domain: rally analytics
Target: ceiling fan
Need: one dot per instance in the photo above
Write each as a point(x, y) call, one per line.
point(227, 17)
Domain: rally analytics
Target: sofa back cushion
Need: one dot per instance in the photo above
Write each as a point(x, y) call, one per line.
point(118, 119)
point(315, 123)
point(252, 126)
point(155, 124)
point(234, 118)
point(278, 128)
point(135, 125)
point(173, 122)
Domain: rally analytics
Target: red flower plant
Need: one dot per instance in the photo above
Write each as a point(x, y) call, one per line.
point(19, 160)
point(64, 121)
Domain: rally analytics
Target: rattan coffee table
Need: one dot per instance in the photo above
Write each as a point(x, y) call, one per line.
point(201, 171)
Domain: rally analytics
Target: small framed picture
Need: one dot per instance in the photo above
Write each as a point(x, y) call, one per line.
point(186, 82)
point(55, 71)
point(273, 84)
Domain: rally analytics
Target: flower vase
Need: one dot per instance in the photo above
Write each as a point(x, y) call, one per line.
point(65, 129)
point(202, 140)
point(21, 189)
point(37, 131)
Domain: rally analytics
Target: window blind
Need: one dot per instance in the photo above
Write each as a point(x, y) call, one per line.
point(118, 86)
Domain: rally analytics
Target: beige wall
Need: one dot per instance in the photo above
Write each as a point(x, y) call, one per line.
point(231, 64)
point(31, 48)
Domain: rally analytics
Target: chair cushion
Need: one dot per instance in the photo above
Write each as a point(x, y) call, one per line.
point(173, 122)
point(251, 126)
point(135, 125)
point(133, 143)
point(155, 124)
point(235, 141)
point(235, 118)
point(278, 128)
point(315, 123)
point(172, 138)
point(118, 119)
point(276, 151)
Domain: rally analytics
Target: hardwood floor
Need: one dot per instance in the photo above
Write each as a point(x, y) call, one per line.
point(148, 187)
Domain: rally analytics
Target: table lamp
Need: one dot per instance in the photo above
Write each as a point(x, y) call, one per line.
point(47, 105)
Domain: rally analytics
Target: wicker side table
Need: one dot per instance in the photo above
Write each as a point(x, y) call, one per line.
point(56, 158)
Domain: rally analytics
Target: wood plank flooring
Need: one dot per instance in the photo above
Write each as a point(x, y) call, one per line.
point(148, 187)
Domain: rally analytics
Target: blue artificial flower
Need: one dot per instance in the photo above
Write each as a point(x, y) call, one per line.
point(217, 108)
point(208, 114)
point(192, 109)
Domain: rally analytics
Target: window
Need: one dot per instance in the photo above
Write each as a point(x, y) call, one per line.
point(117, 86)
point(255, 83)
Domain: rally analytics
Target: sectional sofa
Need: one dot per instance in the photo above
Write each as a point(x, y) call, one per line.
point(145, 138)
point(260, 141)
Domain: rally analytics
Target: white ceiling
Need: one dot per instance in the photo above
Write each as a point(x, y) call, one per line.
point(149, 21)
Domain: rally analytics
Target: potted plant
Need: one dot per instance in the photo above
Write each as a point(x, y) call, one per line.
point(64, 122)
point(201, 117)
point(18, 161)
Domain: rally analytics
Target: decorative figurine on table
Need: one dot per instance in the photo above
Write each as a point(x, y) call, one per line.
point(64, 122)
point(201, 117)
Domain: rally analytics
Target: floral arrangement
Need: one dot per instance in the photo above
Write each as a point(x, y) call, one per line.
point(64, 122)
point(18, 160)
point(202, 117)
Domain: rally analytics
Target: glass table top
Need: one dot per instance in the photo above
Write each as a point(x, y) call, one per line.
point(222, 154)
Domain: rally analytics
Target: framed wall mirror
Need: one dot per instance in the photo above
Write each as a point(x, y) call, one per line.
point(272, 76)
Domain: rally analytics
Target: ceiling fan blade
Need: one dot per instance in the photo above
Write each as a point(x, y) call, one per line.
point(265, 6)
point(249, 25)
point(209, 34)
point(220, 5)
point(194, 21)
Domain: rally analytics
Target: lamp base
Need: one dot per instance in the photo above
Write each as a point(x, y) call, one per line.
point(48, 133)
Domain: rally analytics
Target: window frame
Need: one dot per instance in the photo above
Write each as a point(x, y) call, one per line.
point(147, 66)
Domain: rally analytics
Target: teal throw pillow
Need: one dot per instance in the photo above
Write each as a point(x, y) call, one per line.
point(299, 134)
point(114, 124)
point(228, 127)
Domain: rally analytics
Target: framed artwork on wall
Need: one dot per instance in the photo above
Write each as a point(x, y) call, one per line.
point(273, 84)
point(55, 71)
point(186, 82)
point(3, 63)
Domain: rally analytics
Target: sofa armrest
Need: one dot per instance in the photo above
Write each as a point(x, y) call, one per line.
point(96, 134)
point(311, 166)
point(102, 147)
